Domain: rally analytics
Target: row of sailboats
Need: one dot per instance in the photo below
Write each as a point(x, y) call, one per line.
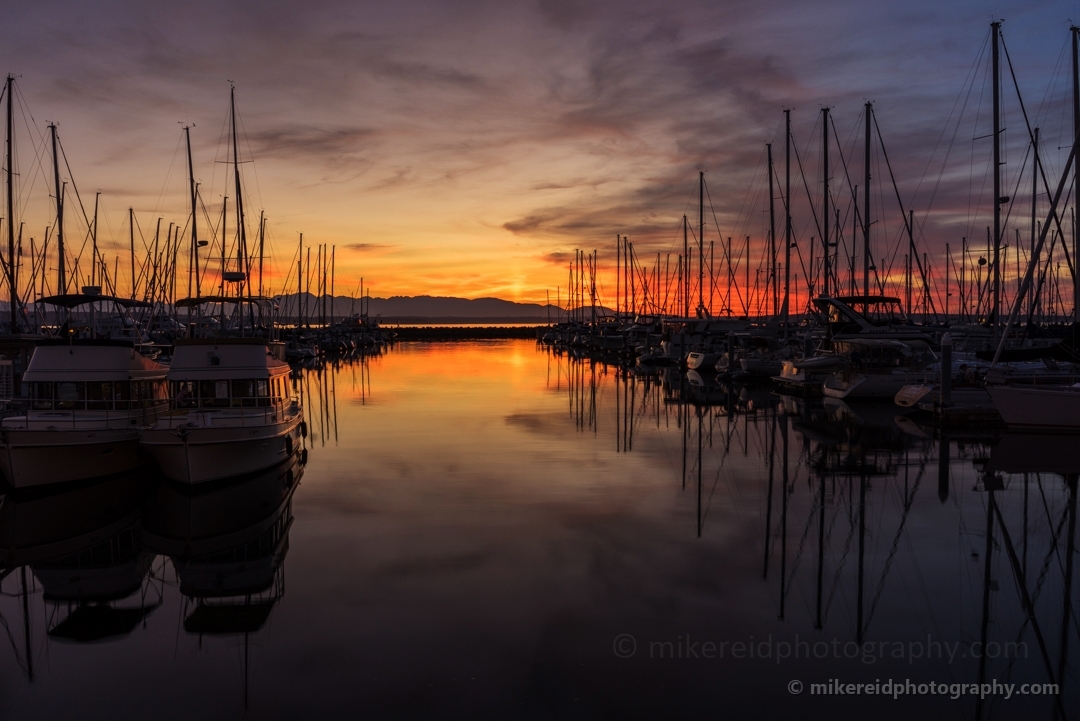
point(98, 406)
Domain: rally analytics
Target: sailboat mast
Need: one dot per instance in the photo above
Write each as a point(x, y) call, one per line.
point(93, 266)
point(869, 110)
point(131, 236)
point(996, 31)
point(825, 197)
point(772, 238)
point(12, 286)
point(241, 245)
point(701, 242)
point(194, 217)
point(262, 237)
point(787, 218)
point(1076, 170)
point(61, 286)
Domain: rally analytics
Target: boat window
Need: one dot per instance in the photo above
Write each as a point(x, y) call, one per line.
point(99, 395)
point(185, 394)
point(214, 394)
point(43, 396)
point(68, 395)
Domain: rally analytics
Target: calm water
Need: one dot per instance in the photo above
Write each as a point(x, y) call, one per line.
point(490, 530)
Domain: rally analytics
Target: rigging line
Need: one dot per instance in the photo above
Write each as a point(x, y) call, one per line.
point(712, 210)
point(895, 544)
point(802, 172)
point(1031, 140)
point(911, 231)
point(71, 177)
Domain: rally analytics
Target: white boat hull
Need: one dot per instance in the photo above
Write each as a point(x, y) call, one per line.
point(30, 458)
point(201, 454)
point(699, 361)
point(1037, 408)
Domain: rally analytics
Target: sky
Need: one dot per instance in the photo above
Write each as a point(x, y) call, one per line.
point(468, 148)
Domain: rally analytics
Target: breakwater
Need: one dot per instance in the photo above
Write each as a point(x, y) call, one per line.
point(449, 333)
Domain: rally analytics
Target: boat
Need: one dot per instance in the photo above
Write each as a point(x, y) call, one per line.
point(88, 398)
point(878, 369)
point(1038, 408)
point(232, 412)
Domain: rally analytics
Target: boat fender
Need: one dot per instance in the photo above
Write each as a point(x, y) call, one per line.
point(288, 446)
point(303, 429)
point(303, 457)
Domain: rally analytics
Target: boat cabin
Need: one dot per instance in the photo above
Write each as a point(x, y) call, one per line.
point(219, 373)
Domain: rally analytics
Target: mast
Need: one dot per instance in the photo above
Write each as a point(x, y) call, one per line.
point(772, 238)
point(825, 197)
point(866, 202)
point(1076, 170)
point(131, 236)
point(1035, 188)
point(194, 217)
point(241, 245)
point(93, 266)
point(686, 267)
point(996, 31)
point(333, 268)
point(701, 243)
point(262, 237)
point(12, 285)
point(787, 218)
point(299, 278)
point(61, 286)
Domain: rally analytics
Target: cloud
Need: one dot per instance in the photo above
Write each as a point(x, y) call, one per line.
point(367, 247)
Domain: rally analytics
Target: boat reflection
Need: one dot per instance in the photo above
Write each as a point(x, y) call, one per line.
point(228, 546)
point(80, 549)
point(847, 528)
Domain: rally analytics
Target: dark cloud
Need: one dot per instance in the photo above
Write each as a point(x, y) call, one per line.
point(310, 142)
point(367, 247)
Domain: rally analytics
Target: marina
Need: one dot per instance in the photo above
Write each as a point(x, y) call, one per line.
point(701, 379)
point(638, 504)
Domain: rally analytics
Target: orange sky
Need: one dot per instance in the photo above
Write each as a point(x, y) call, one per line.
point(468, 151)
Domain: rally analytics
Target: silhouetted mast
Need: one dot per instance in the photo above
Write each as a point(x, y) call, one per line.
point(787, 218)
point(825, 197)
point(194, 225)
point(772, 238)
point(61, 286)
point(1076, 170)
point(866, 204)
point(701, 244)
point(14, 297)
point(996, 30)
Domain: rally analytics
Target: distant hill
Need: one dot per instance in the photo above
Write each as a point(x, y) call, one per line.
point(414, 308)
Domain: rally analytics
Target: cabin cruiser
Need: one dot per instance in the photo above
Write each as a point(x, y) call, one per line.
point(877, 369)
point(881, 319)
point(231, 414)
point(88, 399)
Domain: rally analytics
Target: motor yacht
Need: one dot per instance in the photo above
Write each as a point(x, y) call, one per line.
point(231, 412)
point(88, 398)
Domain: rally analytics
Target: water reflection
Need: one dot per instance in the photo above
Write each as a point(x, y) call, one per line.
point(846, 534)
point(94, 562)
point(480, 520)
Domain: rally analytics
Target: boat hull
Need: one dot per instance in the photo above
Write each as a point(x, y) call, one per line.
point(30, 458)
point(203, 454)
point(867, 386)
point(1038, 408)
